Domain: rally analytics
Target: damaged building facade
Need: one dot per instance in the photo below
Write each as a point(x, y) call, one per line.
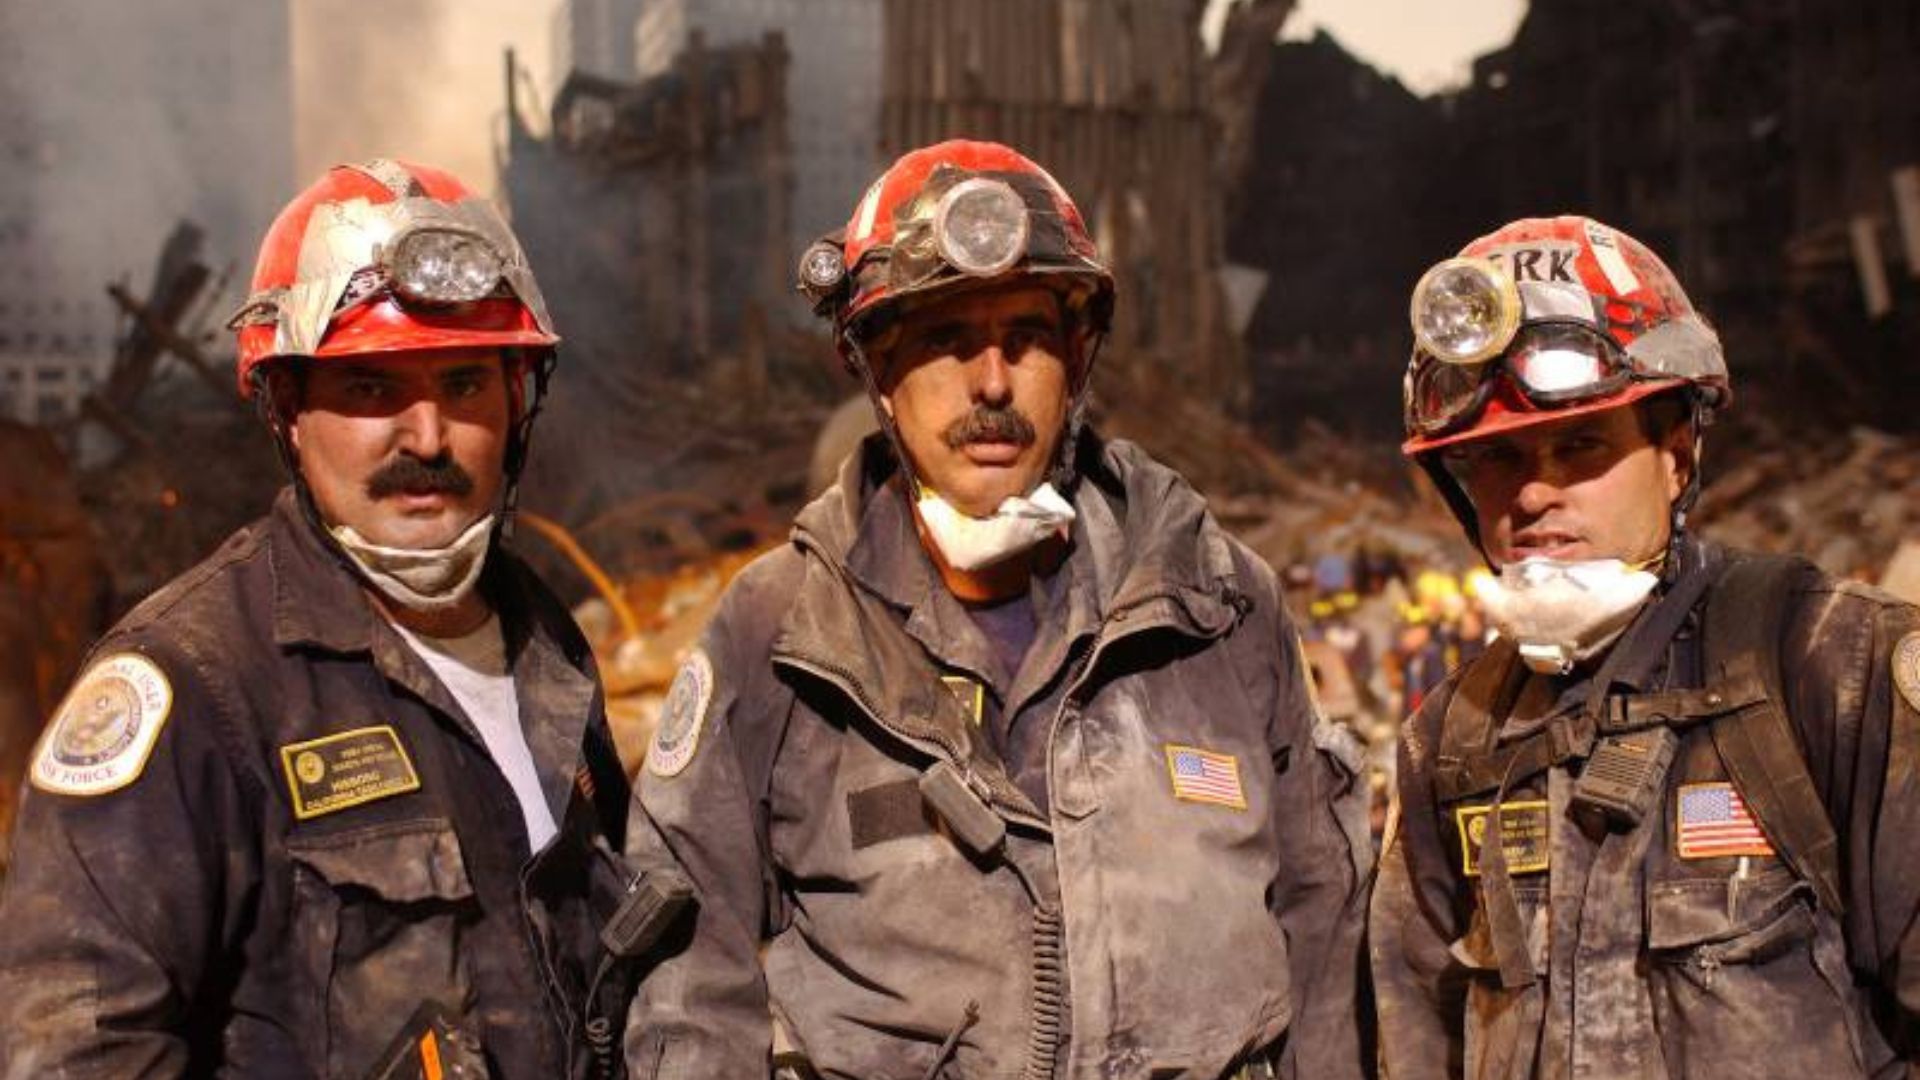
point(1757, 146)
point(658, 211)
point(666, 212)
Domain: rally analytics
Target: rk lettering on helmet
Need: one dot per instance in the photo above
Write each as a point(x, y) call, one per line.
point(1545, 262)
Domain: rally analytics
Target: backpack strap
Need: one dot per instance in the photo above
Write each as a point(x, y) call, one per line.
point(1745, 616)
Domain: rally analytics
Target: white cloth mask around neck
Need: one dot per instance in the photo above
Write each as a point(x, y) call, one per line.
point(421, 579)
point(968, 543)
point(1563, 612)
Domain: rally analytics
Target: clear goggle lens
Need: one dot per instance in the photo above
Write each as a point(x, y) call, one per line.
point(1556, 364)
point(981, 227)
point(444, 266)
point(1465, 311)
point(1552, 365)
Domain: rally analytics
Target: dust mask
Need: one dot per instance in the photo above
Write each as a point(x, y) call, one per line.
point(1561, 613)
point(421, 579)
point(968, 543)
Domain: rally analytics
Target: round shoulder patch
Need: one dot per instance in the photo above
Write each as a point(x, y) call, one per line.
point(682, 716)
point(100, 737)
point(1906, 668)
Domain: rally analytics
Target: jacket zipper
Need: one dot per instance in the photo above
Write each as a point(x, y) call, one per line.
point(942, 745)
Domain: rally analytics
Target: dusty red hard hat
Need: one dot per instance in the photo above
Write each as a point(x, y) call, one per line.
point(955, 215)
point(383, 257)
point(1548, 318)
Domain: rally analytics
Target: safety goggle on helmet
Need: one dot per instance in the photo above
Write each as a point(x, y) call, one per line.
point(1548, 318)
point(950, 216)
point(382, 257)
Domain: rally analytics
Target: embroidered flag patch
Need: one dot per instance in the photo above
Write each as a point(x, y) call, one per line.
point(1714, 822)
point(1203, 776)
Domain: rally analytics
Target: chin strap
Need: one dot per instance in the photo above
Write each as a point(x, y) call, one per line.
point(1699, 416)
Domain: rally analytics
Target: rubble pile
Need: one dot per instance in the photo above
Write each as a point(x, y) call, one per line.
point(1324, 492)
point(639, 648)
point(1847, 500)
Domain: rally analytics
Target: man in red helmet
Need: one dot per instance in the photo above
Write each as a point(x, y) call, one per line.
point(1663, 826)
point(1006, 765)
point(342, 801)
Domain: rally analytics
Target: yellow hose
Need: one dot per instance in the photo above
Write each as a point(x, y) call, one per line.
point(562, 539)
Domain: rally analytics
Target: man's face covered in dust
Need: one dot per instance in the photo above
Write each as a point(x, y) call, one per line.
point(406, 449)
point(979, 384)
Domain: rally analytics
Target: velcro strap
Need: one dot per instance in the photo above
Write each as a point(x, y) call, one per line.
point(885, 812)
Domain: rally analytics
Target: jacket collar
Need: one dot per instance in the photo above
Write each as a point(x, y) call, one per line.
point(317, 600)
point(1143, 538)
point(1144, 554)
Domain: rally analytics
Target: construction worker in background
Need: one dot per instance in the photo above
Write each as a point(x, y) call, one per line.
point(341, 801)
point(1006, 764)
point(1664, 825)
point(1418, 661)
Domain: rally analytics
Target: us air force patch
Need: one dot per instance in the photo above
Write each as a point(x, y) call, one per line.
point(682, 716)
point(1906, 668)
point(100, 739)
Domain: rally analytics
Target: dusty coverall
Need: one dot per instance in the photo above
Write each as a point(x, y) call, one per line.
point(318, 841)
point(1127, 930)
point(1688, 945)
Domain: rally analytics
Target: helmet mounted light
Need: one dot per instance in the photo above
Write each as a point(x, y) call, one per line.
point(980, 226)
point(823, 273)
point(440, 266)
point(1465, 310)
point(348, 252)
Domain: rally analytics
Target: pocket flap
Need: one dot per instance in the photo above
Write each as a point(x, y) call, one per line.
point(1696, 911)
point(405, 861)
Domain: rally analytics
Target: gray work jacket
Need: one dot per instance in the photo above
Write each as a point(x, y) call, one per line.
point(1191, 898)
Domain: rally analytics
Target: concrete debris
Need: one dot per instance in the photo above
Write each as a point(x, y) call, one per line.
point(1850, 502)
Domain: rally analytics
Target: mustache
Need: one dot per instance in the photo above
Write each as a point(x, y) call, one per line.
point(408, 474)
point(990, 423)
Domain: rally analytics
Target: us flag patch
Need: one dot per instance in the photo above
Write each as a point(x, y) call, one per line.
point(1714, 821)
point(1203, 776)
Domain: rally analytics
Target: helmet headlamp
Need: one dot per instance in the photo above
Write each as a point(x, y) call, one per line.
point(1465, 311)
point(823, 270)
point(980, 226)
point(444, 266)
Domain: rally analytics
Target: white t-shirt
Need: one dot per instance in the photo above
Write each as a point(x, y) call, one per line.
point(474, 670)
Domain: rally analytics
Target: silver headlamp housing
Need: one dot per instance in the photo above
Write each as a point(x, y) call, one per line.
point(981, 226)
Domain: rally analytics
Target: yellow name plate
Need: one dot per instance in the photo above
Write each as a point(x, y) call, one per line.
point(1525, 836)
point(348, 769)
